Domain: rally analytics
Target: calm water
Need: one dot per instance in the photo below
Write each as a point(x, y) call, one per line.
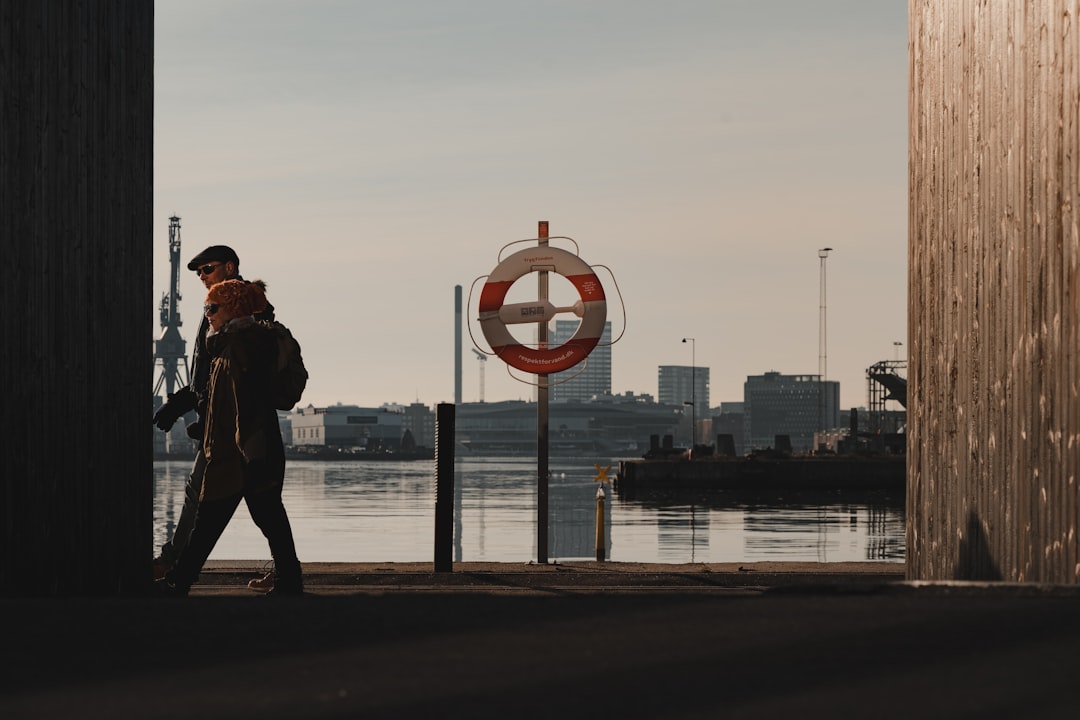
point(385, 512)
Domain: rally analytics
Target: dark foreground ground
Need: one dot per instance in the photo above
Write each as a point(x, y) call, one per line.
point(603, 640)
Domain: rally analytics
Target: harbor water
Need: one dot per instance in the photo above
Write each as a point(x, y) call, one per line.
point(384, 511)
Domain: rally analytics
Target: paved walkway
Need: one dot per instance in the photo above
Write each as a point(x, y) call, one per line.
point(390, 640)
point(583, 577)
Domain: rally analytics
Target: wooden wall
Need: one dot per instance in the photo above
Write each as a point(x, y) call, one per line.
point(76, 306)
point(994, 242)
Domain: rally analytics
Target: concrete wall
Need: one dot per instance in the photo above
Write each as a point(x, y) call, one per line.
point(76, 306)
point(994, 290)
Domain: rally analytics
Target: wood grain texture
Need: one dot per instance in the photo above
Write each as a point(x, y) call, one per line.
point(76, 187)
point(994, 403)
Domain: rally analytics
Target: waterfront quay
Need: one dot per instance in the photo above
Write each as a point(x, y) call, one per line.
point(761, 640)
point(764, 474)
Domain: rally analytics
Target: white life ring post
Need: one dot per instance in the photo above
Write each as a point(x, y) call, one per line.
point(495, 315)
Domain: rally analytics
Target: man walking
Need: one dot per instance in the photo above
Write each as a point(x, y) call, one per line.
point(215, 264)
point(245, 458)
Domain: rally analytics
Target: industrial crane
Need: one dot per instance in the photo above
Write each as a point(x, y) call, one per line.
point(171, 349)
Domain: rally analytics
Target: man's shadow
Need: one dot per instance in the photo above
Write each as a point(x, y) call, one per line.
point(975, 561)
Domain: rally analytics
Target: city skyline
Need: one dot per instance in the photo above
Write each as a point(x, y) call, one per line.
point(655, 397)
point(365, 159)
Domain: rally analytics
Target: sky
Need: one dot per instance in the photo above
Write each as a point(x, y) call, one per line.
point(365, 157)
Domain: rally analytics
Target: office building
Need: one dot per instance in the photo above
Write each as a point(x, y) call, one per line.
point(679, 384)
point(615, 426)
point(348, 426)
point(686, 386)
point(792, 405)
point(588, 379)
point(727, 420)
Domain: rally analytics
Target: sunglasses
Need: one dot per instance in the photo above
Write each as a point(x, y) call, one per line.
point(207, 269)
point(210, 309)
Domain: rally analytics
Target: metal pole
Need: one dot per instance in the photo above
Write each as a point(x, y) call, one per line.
point(457, 345)
point(600, 544)
point(444, 487)
point(693, 393)
point(823, 363)
point(542, 421)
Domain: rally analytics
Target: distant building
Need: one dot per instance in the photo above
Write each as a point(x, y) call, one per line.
point(677, 386)
point(621, 425)
point(589, 379)
point(727, 420)
point(792, 405)
point(682, 385)
point(284, 420)
point(348, 426)
point(420, 420)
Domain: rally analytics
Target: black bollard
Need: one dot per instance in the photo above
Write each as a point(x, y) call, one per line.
point(444, 487)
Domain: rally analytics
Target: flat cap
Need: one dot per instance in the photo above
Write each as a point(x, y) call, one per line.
point(214, 253)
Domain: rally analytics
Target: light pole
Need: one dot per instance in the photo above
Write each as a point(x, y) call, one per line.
point(693, 392)
point(823, 363)
point(896, 350)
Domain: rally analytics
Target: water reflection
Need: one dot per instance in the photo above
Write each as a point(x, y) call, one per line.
point(737, 527)
point(385, 512)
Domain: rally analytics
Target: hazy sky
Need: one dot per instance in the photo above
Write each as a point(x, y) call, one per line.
point(365, 157)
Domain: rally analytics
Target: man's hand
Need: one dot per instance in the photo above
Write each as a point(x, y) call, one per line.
point(180, 402)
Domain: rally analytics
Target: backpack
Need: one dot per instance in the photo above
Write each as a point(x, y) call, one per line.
point(292, 376)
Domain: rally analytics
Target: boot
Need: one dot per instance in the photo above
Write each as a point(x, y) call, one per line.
point(287, 580)
point(264, 584)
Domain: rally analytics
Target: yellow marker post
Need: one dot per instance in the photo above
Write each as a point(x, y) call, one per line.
point(600, 544)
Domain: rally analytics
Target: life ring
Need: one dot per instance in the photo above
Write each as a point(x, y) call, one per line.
point(495, 315)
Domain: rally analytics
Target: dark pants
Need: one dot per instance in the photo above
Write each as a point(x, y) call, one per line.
point(172, 549)
point(213, 516)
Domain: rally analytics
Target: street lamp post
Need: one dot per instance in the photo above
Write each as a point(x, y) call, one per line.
point(693, 392)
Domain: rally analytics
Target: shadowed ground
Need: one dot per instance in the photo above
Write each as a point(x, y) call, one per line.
point(502, 640)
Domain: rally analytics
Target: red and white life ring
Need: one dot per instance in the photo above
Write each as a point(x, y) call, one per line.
point(495, 315)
